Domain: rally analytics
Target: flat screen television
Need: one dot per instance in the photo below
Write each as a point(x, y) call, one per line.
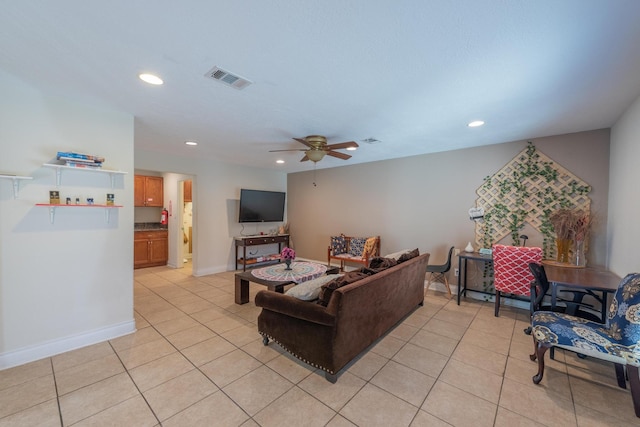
point(261, 206)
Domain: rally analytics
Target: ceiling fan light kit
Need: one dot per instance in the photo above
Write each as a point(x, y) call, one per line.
point(315, 155)
point(317, 148)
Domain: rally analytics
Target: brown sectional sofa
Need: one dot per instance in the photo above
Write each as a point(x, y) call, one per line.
point(355, 317)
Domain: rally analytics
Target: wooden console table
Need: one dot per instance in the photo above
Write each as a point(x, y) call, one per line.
point(245, 241)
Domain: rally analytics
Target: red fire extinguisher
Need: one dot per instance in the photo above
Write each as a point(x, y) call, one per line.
point(164, 217)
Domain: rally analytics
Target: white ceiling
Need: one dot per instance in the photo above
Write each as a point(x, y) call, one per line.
point(411, 74)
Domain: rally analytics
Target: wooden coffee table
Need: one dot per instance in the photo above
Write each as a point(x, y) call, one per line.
point(243, 279)
point(242, 285)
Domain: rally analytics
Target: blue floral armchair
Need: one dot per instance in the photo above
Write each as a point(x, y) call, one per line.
point(617, 341)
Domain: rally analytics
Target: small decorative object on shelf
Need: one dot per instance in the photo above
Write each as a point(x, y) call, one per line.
point(54, 197)
point(288, 255)
point(469, 247)
point(110, 199)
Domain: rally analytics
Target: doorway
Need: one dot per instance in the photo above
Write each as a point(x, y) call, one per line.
point(187, 221)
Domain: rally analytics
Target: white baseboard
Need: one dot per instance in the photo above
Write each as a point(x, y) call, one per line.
point(211, 270)
point(51, 348)
point(440, 287)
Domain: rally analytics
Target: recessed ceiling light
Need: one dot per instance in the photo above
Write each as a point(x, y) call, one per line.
point(191, 143)
point(475, 123)
point(352, 148)
point(151, 79)
point(280, 161)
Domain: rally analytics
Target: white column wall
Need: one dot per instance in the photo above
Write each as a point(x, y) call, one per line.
point(624, 204)
point(67, 284)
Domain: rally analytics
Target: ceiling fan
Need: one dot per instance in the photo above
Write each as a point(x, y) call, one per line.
point(317, 148)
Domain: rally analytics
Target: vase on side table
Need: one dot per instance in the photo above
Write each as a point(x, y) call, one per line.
point(578, 257)
point(288, 262)
point(562, 248)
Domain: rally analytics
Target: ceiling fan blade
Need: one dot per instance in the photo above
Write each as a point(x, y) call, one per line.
point(338, 155)
point(292, 149)
point(305, 158)
point(341, 145)
point(303, 141)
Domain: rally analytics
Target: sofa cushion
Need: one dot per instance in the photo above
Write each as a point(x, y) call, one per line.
point(338, 245)
point(356, 246)
point(381, 262)
point(327, 289)
point(408, 255)
point(396, 255)
point(309, 290)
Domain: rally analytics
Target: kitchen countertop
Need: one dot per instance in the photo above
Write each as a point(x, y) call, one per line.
point(149, 226)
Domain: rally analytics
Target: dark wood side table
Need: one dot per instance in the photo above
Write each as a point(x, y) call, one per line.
point(245, 241)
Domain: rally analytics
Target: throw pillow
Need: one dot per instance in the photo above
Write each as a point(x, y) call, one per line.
point(327, 289)
point(309, 290)
point(397, 255)
point(370, 248)
point(356, 246)
point(338, 245)
point(408, 255)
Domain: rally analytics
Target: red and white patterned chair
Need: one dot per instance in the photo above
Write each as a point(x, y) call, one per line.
point(511, 274)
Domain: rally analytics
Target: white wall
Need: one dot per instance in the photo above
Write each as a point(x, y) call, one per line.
point(624, 203)
point(68, 284)
point(216, 192)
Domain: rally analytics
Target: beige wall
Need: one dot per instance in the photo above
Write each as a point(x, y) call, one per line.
point(423, 201)
point(624, 203)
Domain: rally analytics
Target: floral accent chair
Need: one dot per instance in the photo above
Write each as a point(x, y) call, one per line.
point(617, 341)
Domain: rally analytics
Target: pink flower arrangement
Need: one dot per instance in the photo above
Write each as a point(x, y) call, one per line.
point(288, 253)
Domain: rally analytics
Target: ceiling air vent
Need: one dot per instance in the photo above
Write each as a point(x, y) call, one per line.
point(227, 78)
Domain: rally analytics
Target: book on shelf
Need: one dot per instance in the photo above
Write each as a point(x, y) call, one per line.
point(71, 159)
point(70, 155)
point(83, 165)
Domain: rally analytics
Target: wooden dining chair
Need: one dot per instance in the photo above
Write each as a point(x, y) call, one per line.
point(511, 274)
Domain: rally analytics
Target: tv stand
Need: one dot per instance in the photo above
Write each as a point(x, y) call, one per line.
point(244, 241)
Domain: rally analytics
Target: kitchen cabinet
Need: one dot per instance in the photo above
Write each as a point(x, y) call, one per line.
point(150, 248)
point(188, 191)
point(148, 191)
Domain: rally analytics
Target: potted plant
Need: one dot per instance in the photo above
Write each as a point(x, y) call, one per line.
point(288, 255)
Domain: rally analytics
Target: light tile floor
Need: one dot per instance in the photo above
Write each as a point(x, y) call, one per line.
point(197, 360)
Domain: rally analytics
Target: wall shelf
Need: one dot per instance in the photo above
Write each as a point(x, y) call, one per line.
point(16, 179)
point(52, 209)
point(60, 168)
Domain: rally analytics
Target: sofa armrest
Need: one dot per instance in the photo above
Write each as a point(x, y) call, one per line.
point(290, 306)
